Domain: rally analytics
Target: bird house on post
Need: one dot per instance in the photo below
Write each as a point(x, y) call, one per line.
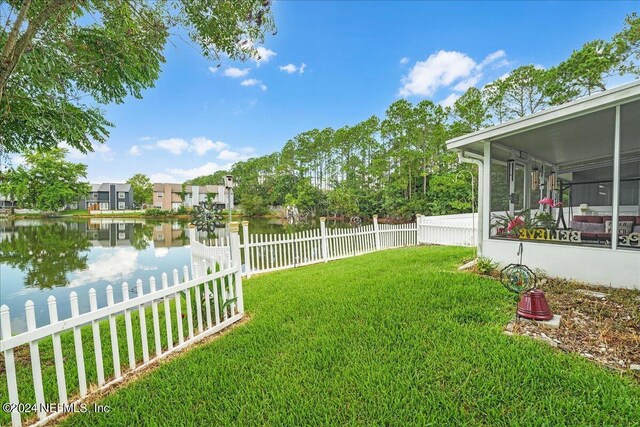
point(228, 181)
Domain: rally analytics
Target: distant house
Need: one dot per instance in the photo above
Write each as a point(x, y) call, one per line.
point(170, 196)
point(108, 196)
point(6, 202)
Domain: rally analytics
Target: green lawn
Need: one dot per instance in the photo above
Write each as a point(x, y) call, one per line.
point(392, 338)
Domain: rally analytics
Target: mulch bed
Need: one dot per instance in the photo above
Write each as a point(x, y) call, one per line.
point(604, 329)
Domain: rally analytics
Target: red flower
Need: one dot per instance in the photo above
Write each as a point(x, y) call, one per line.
point(515, 222)
point(546, 201)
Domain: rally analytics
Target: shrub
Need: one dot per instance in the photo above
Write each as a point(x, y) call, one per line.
point(485, 265)
point(183, 210)
point(156, 212)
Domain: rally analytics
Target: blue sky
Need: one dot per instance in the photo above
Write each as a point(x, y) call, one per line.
point(332, 64)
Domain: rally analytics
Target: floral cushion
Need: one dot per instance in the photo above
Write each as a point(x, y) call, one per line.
point(587, 227)
point(624, 227)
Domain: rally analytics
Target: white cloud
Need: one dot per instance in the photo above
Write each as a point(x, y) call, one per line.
point(115, 267)
point(492, 57)
point(234, 156)
point(161, 177)
point(145, 138)
point(173, 145)
point(206, 169)
point(440, 69)
point(201, 145)
point(236, 72)
point(291, 68)
point(254, 82)
point(250, 82)
point(135, 150)
point(214, 70)
point(161, 252)
point(463, 85)
point(15, 160)
point(264, 55)
point(449, 100)
point(404, 60)
point(446, 68)
point(103, 151)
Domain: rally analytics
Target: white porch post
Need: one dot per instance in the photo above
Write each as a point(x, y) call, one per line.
point(484, 214)
point(527, 185)
point(616, 181)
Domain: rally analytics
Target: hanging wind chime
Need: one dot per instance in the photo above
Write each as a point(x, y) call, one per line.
point(535, 179)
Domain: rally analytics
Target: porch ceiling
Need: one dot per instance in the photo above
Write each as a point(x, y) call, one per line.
point(572, 136)
point(581, 139)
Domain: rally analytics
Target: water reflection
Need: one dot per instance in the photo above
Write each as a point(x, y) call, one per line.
point(45, 253)
point(40, 258)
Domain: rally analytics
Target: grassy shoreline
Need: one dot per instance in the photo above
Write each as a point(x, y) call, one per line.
point(397, 337)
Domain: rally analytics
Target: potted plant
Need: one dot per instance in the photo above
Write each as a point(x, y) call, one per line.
point(510, 225)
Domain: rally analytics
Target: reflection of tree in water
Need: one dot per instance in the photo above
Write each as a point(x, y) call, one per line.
point(46, 253)
point(141, 236)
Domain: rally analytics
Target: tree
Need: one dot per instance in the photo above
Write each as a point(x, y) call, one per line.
point(522, 92)
point(46, 253)
point(59, 58)
point(627, 46)
point(586, 70)
point(217, 178)
point(470, 112)
point(142, 189)
point(46, 182)
point(254, 205)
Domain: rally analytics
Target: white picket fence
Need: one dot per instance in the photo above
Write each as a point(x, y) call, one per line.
point(452, 230)
point(269, 252)
point(263, 253)
point(218, 264)
point(218, 301)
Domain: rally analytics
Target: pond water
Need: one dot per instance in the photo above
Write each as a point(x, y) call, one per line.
point(39, 258)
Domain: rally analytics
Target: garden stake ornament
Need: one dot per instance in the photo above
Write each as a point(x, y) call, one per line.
point(206, 217)
point(519, 279)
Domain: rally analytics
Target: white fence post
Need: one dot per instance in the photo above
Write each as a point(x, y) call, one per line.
point(35, 360)
point(323, 235)
point(94, 317)
point(247, 252)
point(115, 348)
point(192, 239)
point(237, 262)
point(418, 239)
point(376, 230)
point(9, 362)
point(57, 351)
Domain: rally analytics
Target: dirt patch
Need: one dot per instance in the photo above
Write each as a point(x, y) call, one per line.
point(603, 328)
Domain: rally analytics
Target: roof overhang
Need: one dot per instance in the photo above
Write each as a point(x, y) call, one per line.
point(594, 106)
